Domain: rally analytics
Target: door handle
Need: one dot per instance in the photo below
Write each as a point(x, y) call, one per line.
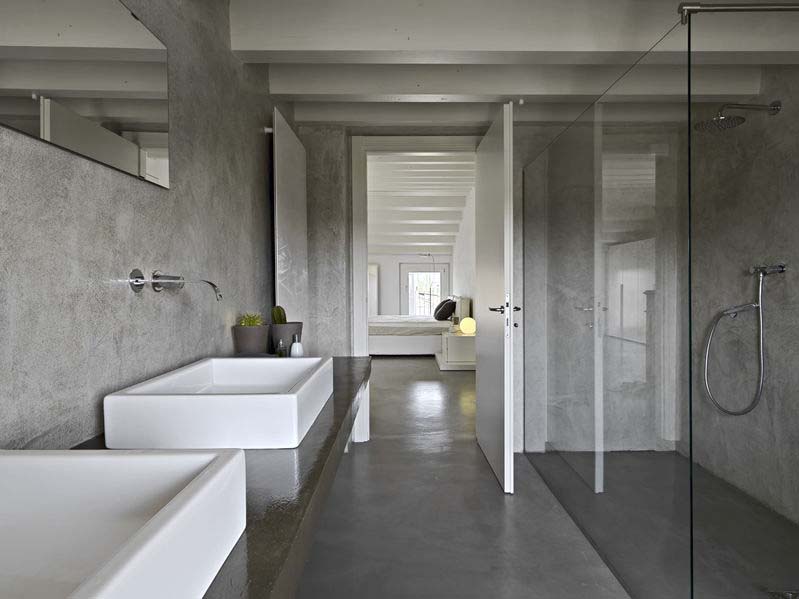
point(500, 309)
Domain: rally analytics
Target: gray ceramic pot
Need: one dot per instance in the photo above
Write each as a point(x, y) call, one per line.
point(250, 340)
point(285, 332)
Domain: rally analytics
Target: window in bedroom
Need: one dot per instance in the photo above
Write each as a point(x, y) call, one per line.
point(425, 292)
point(422, 287)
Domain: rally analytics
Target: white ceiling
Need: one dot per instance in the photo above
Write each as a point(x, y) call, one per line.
point(416, 200)
point(448, 62)
point(388, 63)
point(491, 31)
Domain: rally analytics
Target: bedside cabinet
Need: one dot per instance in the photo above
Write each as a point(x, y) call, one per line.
point(457, 352)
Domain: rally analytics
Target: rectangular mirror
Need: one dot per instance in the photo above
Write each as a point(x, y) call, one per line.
point(87, 76)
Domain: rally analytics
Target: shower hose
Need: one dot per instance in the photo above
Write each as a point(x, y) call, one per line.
point(761, 272)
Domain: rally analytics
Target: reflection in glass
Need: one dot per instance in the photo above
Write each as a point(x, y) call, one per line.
point(605, 231)
point(89, 77)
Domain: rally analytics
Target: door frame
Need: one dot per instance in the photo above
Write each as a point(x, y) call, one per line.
point(361, 146)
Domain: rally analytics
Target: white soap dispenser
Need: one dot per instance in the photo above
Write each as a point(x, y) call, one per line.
point(296, 348)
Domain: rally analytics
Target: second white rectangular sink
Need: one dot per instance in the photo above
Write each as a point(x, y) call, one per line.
point(247, 403)
point(117, 524)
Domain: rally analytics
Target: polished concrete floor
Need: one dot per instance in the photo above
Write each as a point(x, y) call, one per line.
point(417, 512)
point(641, 526)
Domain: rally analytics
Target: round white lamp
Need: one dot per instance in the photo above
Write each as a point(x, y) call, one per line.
point(468, 326)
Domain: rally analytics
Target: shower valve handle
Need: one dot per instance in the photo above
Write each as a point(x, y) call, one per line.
point(771, 269)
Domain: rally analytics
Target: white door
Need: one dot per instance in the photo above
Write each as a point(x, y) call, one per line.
point(493, 306)
point(291, 223)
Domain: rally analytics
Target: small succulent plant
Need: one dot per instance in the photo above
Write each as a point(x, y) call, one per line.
point(278, 315)
point(251, 320)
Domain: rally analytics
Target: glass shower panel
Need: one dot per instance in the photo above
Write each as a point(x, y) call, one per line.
point(606, 229)
point(573, 429)
point(745, 177)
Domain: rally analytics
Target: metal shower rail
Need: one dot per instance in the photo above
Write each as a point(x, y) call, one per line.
point(690, 8)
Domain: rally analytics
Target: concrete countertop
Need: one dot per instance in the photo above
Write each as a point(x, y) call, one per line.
point(286, 489)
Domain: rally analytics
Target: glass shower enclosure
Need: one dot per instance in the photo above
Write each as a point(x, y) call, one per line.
point(670, 205)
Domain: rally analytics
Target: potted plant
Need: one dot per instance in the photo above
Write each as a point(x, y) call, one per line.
point(283, 331)
point(250, 334)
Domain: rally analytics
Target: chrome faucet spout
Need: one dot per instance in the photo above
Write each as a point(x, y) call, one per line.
point(214, 286)
point(162, 282)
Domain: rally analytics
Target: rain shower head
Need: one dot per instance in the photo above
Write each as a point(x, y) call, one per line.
point(721, 121)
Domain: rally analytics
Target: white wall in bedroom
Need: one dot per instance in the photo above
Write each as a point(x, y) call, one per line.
point(463, 253)
point(389, 276)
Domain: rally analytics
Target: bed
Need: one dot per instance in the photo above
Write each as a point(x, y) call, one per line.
point(403, 335)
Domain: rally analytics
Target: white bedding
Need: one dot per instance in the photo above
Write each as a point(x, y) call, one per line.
point(404, 325)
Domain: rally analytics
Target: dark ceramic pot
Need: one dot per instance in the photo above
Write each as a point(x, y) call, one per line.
point(285, 332)
point(250, 340)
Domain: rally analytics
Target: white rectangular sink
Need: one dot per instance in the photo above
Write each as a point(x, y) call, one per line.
point(248, 403)
point(117, 524)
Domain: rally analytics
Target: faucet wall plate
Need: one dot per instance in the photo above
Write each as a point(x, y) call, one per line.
point(136, 280)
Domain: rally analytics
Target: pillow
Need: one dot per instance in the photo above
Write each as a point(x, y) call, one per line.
point(444, 310)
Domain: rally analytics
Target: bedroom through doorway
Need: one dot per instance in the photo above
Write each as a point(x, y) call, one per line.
point(421, 254)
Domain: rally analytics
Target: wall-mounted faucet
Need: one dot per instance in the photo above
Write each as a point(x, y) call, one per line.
point(160, 282)
point(217, 292)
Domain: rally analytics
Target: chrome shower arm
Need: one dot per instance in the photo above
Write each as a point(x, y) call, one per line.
point(772, 108)
point(686, 9)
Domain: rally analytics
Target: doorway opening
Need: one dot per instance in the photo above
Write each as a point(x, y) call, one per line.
point(420, 252)
point(416, 201)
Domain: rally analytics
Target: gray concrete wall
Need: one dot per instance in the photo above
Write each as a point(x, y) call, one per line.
point(71, 228)
point(329, 238)
point(536, 317)
point(746, 212)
